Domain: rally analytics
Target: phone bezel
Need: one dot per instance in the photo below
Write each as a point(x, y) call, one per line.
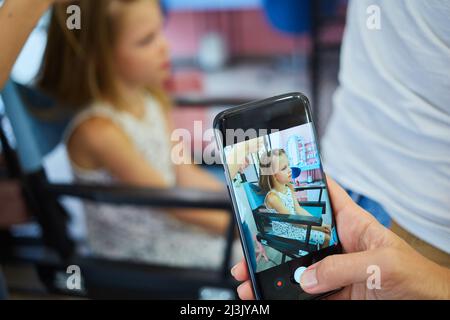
point(219, 126)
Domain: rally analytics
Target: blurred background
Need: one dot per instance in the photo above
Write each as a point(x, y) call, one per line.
point(222, 50)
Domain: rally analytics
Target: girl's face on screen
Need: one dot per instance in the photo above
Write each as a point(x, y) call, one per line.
point(283, 172)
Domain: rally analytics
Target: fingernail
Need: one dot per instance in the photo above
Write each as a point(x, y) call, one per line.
point(309, 279)
point(239, 289)
point(233, 270)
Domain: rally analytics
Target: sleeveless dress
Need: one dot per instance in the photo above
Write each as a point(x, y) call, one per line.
point(141, 234)
point(288, 230)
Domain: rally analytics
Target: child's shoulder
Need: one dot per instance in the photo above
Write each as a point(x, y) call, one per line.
point(94, 131)
point(272, 196)
point(93, 126)
point(90, 118)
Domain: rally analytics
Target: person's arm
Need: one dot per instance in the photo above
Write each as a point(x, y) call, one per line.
point(298, 209)
point(193, 176)
point(301, 211)
point(368, 246)
point(236, 159)
point(17, 20)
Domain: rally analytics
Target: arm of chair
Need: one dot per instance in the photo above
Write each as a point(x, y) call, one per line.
point(162, 198)
point(309, 188)
point(308, 221)
point(290, 218)
point(321, 204)
point(140, 196)
point(312, 203)
point(197, 100)
point(321, 188)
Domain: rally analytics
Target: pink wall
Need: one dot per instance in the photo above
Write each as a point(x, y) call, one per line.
point(248, 33)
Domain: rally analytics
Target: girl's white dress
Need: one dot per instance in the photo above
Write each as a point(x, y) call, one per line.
point(137, 233)
point(288, 230)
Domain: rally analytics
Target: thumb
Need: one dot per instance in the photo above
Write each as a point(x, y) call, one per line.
point(337, 271)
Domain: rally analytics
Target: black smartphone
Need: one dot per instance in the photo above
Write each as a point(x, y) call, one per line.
point(279, 192)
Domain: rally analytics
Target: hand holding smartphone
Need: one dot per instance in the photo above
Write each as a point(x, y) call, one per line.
point(279, 192)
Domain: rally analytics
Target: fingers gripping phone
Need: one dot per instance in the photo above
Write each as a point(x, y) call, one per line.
point(279, 192)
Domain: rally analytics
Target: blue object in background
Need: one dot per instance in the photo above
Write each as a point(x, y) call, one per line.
point(216, 171)
point(254, 195)
point(35, 137)
point(315, 211)
point(296, 171)
point(279, 6)
point(289, 16)
point(294, 17)
point(334, 237)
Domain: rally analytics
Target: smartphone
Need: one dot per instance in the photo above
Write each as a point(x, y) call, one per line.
point(279, 191)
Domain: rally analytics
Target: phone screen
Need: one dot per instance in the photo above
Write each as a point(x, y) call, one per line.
point(280, 194)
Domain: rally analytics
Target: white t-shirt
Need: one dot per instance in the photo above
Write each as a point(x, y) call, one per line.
point(389, 135)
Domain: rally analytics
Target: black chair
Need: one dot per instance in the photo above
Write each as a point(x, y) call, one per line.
point(54, 250)
point(263, 218)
